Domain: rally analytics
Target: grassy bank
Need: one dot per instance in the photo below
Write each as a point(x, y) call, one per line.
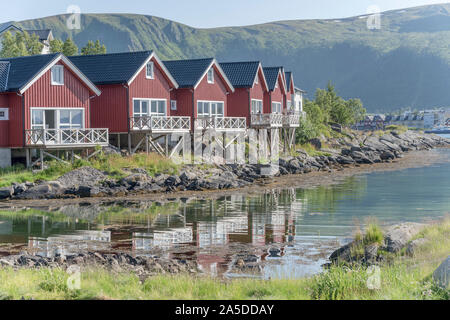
point(115, 166)
point(405, 278)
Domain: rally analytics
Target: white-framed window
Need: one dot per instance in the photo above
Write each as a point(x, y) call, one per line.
point(210, 109)
point(257, 79)
point(57, 72)
point(70, 119)
point(257, 106)
point(276, 107)
point(149, 107)
point(211, 75)
point(173, 105)
point(62, 118)
point(150, 70)
point(4, 114)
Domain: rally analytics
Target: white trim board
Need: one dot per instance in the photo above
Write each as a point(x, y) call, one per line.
point(161, 65)
point(70, 65)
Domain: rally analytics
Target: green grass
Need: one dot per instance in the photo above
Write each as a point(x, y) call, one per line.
point(311, 150)
point(406, 278)
point(396, 128)
point(114, 165)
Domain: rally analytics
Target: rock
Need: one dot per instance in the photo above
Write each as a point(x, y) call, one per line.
point(172, 181)
point(46, 190)
point(413, 245)
point(442, 274)
point(344, 160)
point(135, 178)
point(387, 155)
point(186, 176)
point(397, 237)
point(4, 262)
point(371, 253)
point(343, 254)
point(19, 188)
point(316, 143)
point(6, 193)
point(85, 176)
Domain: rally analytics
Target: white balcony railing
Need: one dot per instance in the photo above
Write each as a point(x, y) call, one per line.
point(267, 120)
point(66, 137)
point(160, 124)
point(221, 123)
point(291, 120)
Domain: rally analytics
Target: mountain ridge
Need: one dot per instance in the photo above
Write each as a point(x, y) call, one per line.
point(404, 64)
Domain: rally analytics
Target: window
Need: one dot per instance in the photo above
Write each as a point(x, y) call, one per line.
point(257, 79)
point(210, 109)
point(276, 85)
point(57, 75)
point(211, 75)
point(276, 107)
point(146, 107)
point(257, 106)
point(4, 114)
point(149, 71)
point(57, 119)
point(70, 119)
point(173, 105)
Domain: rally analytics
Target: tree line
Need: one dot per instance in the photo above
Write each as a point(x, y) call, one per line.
point(24, 44)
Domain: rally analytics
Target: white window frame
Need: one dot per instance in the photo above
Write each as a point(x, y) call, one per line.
point(173, 105)
point(149, 109)
point(259, 107)
point(278, 107)
point(210, 75)
point(60, 71)
point(58, 118)
point(257, 79)
point(210, 113)
point(5, 112)
point(152, 75)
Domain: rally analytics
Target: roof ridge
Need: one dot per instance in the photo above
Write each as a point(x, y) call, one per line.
point(35, 55)
point(112, 53)
point(199, 59)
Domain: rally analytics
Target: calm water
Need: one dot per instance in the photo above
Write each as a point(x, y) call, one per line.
point(291, 231)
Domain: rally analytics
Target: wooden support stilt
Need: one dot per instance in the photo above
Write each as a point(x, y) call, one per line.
point(129, 143)
point(146, 143)
point(28, 157)
point(41, 156)
point(166, 140)
point(118, 141)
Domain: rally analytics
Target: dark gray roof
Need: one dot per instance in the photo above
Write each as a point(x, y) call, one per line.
point(188, 72)
point(42, 34)
point(23, 69)
point(288, 75)
point(7, 25)
point(241, 74)
point(271, 74)
point(4, 71)
point(113, 68)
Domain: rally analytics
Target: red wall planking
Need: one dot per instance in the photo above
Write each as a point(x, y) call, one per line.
point(110, 110)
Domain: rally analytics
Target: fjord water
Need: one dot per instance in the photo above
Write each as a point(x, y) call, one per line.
point(292, 231)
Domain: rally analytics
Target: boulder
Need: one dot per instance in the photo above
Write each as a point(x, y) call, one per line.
point(413, 245)
point(50, 190)
point(442, 274)
point(397, 237)
point(316, 143)
point(6, 193)
point(85, 176)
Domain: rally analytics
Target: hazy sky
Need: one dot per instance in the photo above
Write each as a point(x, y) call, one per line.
point(208, 13)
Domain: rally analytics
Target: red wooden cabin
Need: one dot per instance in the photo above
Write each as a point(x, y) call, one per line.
point(202, 94)
point(250, 88)
point(274, 97)
point(45, 104)
point(136, 95)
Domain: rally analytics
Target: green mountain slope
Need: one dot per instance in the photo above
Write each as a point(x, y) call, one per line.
point(404, 64)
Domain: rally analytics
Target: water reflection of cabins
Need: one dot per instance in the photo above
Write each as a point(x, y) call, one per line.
point(70, 243)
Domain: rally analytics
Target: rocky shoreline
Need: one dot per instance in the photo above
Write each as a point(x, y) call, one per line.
point(354, 150)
